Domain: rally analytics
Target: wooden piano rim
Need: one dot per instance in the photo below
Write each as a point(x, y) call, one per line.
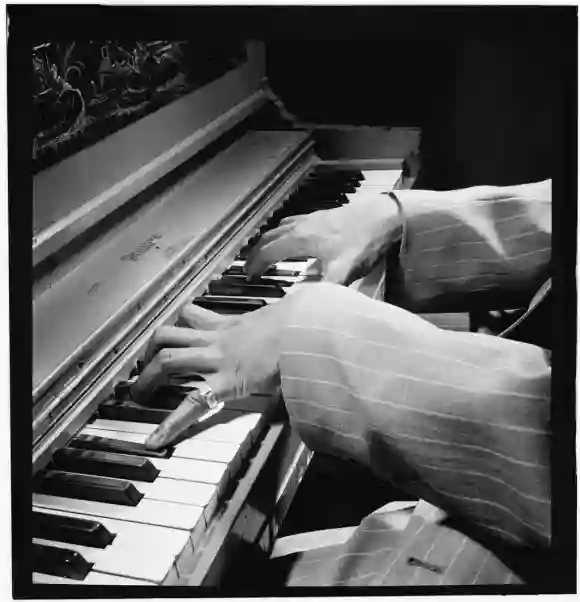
point(213, 549)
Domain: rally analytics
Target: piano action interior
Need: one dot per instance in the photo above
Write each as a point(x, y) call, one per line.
point(127, 231)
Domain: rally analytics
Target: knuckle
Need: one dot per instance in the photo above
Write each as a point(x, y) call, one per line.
point(159, 335)
point(165, 357)
point(215, 353)
point(302, 237)
point(185, 313)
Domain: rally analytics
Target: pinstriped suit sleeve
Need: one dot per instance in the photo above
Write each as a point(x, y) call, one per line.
point(460, 417)
point(492, 242)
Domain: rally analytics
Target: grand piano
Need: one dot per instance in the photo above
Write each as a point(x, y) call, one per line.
point(157, 215)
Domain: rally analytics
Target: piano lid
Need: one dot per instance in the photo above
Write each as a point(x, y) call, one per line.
point(81, 190)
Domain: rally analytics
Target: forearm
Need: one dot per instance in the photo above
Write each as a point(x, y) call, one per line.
point(485, 242)
point(461, 415)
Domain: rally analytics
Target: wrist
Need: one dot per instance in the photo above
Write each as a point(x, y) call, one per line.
point(388, 218)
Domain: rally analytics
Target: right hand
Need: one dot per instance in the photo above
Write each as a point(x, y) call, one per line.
point(349, 240)
point(236, 356)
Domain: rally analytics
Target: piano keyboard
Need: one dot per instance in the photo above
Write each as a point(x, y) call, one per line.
point(109, 511)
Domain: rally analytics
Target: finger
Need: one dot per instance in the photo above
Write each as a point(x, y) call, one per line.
point(190, 361)
point(338, 272)
point(291, 220)
point(200, 318)
point(269, 238)
point(183, 417)
point(175, 336)
point(263, 256)
point(275, 233)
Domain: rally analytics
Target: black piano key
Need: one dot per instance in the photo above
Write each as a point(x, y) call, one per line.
point(312, 205)
point(161, 400)
point(233, 289)
point(123, 388)
point(69, 529)
point(229, 305)
point(316, 193)
point(298, 258)
point(133, 412)
point(89, 487)
point(306, 211)
point(118, 446)
point(313, 202)
point(335, 201)
point(242, 278)
point(104, 464)
point(323, 187)
point(51, 560)
point(137, 369)
point(321, 194)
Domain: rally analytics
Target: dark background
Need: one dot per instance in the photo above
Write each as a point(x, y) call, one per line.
point(486, 87)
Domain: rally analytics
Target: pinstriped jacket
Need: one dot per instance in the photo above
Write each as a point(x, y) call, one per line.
point(460, 419)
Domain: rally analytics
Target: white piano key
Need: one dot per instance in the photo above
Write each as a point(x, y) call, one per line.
point(180, 492)
point(211, 451)
point(187, 469)
point(267, 300)
point(194, 449)
point(374, 188)
point(294, 266)
point(292, 279)
point(367, 193)
point(380, 177)
point(93, 578)
point(149, 512)
point(141, 428)
point(173, 490)
point(235, 430)
point(148, 559)
point(176, 542)
point(128, 531)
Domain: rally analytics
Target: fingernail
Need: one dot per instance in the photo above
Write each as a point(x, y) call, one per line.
point(155, 439)
point(184, 416)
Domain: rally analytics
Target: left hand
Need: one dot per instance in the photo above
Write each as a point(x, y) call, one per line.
point(349, 240)
point(236, 356)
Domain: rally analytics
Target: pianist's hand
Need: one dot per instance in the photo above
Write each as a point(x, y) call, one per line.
point(349, 240)
point(236, 356)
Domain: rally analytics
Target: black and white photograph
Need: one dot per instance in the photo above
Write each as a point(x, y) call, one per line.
point(298, 325)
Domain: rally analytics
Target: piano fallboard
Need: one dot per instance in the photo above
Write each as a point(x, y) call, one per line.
point(91, 324)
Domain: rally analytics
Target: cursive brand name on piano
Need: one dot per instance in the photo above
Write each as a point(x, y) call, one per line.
point(142, 248)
